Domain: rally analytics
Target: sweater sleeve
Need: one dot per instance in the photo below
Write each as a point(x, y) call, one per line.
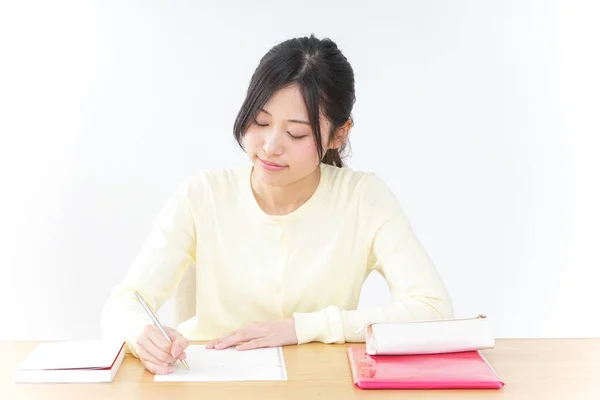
point(156, 271)
point(417, 291)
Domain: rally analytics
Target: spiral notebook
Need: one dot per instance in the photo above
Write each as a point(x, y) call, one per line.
point(463, 370)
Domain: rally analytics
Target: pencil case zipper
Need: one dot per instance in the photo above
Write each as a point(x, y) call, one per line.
point(479, 316)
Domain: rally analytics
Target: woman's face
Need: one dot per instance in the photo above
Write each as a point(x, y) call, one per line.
point(280, 141)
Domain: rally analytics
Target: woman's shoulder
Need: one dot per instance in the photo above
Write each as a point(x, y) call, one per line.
point(368, 190)
point(355, 182)
point(209, 181)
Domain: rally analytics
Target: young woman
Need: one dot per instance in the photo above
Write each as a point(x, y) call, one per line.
point(282, 246)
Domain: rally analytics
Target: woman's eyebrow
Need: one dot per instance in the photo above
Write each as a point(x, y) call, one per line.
point(289, 120)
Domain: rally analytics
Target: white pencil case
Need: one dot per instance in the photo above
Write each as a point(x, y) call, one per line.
point(429, 337)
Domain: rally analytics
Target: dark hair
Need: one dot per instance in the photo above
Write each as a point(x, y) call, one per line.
point(324, 76)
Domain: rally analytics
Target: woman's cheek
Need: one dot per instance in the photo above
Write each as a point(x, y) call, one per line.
point(251, 139)
point(308, 151)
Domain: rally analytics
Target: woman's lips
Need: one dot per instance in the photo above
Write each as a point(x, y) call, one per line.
point(270, 166)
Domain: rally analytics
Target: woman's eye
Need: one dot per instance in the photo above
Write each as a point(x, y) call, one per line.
point(297, 137)
point(259, 124)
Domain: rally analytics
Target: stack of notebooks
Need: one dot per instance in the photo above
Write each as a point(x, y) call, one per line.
point(440, 354)
point(72, 362)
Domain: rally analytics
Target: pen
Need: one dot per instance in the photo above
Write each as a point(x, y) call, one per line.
point(154, 317)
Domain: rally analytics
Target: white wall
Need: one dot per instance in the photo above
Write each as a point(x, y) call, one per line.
point(482, 116)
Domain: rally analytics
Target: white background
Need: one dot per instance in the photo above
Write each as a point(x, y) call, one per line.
point(481, 115)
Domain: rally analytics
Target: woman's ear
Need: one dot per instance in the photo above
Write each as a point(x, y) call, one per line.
point(340, 135)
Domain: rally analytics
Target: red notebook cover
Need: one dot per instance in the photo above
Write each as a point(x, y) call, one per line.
point(464, 370)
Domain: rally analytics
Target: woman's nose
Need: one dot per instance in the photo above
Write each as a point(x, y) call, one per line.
point(273, 143)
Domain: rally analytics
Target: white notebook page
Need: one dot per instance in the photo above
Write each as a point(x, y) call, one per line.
point(266, 364)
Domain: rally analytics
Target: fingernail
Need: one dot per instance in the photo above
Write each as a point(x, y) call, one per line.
point(175, 351)
point(171, 370)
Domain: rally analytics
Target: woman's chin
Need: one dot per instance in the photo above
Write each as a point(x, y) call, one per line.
point(272, 178)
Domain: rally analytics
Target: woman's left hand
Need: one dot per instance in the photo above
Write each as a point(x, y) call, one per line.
point(262, 334)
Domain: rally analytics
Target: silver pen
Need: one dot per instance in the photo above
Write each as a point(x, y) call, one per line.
point(154, 317)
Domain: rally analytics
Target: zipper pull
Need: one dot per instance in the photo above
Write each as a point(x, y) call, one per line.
point(365, 326)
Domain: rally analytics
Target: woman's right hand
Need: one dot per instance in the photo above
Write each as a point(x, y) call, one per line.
point(156, 353)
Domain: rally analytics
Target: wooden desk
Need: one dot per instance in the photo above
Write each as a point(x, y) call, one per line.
point(531, 368)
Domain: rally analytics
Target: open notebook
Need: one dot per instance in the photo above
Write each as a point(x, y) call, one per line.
point(264, 364)
point(72, 361)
